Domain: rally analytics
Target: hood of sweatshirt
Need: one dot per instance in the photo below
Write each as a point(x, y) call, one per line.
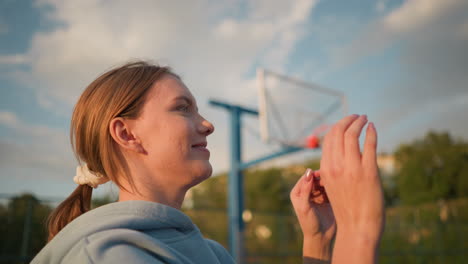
point(149, 219)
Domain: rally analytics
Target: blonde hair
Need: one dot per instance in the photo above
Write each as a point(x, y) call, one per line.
point(120, 92)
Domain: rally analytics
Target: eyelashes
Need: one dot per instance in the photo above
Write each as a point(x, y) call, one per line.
point(186, 108)
point(183, 108)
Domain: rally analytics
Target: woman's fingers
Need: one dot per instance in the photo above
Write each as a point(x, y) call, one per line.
point(306, 186)
point(301, 192)
point(338, 132)
point(296, 190)
point(318, 178)
point(300, 189)
point(340, 128)
point(317, 194)
point(370, 148)
point(351, 137)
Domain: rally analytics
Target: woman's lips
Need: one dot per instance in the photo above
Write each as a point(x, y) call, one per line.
point(201, 148)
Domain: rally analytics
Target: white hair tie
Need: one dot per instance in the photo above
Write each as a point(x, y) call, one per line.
point(85, 176)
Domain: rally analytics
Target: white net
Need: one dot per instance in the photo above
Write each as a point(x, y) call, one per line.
point(292, 110)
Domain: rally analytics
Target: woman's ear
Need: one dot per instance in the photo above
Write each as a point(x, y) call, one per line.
point(122, 133)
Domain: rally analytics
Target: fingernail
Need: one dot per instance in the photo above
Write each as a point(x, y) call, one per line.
point(364, 116)
point(308, 174)
point(355, 115)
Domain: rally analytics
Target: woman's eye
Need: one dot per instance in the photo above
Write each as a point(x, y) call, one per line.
point(184, 108)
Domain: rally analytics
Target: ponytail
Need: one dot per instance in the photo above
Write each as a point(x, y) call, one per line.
point(78, 203)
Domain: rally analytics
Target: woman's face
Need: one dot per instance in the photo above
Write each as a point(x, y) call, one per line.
point(174, 135)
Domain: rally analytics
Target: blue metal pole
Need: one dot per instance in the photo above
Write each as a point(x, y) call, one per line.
point(282, 152)
point(236, 189)
point(236, 224)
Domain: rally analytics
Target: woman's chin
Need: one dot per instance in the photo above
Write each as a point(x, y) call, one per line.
point(202, 172)
point(208, 170)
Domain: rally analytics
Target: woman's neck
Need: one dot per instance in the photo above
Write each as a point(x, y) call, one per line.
point(148, 186)
point(171, 198)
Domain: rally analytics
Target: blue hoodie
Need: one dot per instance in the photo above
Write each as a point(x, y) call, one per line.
point(132, 232)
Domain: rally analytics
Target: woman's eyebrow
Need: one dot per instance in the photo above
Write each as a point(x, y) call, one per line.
point(183, 97)
point(187, 99)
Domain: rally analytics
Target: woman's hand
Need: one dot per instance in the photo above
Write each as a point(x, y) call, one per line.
point(354, 189)
point(315, 217)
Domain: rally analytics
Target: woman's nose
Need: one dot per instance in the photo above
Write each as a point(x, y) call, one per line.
point(206, 127)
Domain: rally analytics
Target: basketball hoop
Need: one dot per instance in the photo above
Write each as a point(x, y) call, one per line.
point(314, 140)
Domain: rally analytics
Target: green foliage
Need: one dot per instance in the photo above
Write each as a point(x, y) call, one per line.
point(427, 233)
point(390, 190)
point(212, 193)
point(433, 168)
point(266, 190)
point(22, 225)
point(99, 201)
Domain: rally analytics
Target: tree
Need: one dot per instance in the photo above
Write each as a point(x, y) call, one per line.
point(212, 193)
point(433, 168)
point(23, 229)
point(267, 190)
point(100, 201)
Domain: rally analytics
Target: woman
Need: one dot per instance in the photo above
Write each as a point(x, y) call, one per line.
point(138, 125)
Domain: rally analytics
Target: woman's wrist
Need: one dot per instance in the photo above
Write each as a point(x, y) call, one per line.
point(316, 248)
point(367, 235)
point(356, 247)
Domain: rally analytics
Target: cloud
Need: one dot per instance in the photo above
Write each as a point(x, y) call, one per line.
point(22, 129)
point(14, 59)
point(8, 119)
point(431, 39)
point(33, 146)
point(417, 14)
point(92, 36)
point(412, 19)
point(380, 6)
point(212, 49)
point(433, 57)
point(16, 155)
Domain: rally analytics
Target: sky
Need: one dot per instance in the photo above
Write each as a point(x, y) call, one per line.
point(404, 63)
